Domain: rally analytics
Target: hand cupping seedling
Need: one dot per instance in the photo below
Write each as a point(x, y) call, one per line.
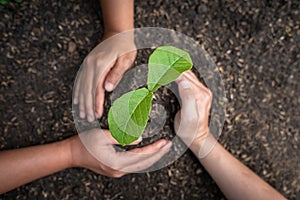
point(128, 115)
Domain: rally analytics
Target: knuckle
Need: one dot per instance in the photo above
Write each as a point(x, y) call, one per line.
point(130, 57)
point(88, 60)
point(116, 74)
point(210, 94)
point(207, 95)
point(98, 62)
point(81, 106)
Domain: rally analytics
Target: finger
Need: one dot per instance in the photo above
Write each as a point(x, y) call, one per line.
point(185, 90)
point(76, 91)
point(88, 96)
point(137, 141)
point(81, 106)
point(114, 141)
point(188, 98)
point(123, 63)
point(191, 77)
point(89, 107)
point(198, 88)
point(151, 148)
point(204, 102)
point(100, 91)
point(137, 155)
point(149, 161)
point(202, 92)
point(99, 100)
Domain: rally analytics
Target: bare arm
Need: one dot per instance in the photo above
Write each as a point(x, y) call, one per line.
point(21, 166)
point(234, 179)
point(117, 15)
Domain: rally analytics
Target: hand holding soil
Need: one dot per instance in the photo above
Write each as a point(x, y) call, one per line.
point(101, 70)
point(191, 122)
point(102, 158)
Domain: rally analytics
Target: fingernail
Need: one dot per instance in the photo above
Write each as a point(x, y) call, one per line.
point(109, 86)
point(140, 138)
point(75, 101)
point(162, 143)
point(82, 114)
point(184, 84)
point(90, 118)
point(168, 145)
point(179, 79)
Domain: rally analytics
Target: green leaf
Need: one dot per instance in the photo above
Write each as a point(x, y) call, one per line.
point(166, 64)
point(4, 2)
point(128, 116)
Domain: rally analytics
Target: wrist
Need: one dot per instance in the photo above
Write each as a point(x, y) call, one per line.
point(202, 146)
point(74, 145)
point(63, 150)
point(197, 143)
point(110, 31)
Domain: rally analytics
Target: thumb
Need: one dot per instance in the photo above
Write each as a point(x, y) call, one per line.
point(188, 99)
point(116, 73)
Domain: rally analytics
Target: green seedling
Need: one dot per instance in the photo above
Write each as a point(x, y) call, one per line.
point(129, 114)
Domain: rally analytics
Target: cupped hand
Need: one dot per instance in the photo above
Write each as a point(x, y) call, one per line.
point(191, 122)
point(94, 150)
point(101, 70)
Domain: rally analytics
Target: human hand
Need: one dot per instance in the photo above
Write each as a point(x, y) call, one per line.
point(191, 122)
point(102, 158)
point(101, 70)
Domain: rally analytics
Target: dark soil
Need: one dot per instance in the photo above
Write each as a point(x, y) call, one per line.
point(255, 45)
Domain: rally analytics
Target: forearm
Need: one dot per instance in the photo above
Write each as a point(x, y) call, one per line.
point(235, 179)
point(21, 166)
point(117, 15)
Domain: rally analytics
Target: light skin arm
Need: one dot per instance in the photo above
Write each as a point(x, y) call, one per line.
point(117, 15)
point(21, 166)
point(234, 179)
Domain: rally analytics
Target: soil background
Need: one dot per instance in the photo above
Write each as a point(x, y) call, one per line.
point(255, 45)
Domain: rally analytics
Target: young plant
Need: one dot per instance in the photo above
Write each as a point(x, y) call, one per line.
point(128, 115)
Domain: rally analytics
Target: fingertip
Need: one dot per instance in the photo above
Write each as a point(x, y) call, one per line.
point(90, 118)
point(99, 105)
point(99, 112)
point(137, 141)
point(168, 145)
point(75, 101)
point(179, 79)
point(109, 86)
point(82, 114)
point(97, 115)
point(161, 143)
